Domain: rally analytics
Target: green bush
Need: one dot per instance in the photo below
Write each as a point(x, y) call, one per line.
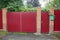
point(23, 9)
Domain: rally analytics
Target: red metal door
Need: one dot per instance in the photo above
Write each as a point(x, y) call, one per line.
point(44, 22)
point(57, 20)
point(29, 22)
point(13, 22)
point(1, 20)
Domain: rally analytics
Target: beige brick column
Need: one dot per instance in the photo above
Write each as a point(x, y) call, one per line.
point(38, 21)
point(51, 23)
point(4, 19)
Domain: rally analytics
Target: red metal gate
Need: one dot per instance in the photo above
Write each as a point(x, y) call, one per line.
point(13, 22)
point(57, 20)
point(44, 22)
point(21, 22)
point(29, 22)
point(1, 20)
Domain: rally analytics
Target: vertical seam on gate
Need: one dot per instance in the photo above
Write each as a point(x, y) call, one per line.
point(20, 22)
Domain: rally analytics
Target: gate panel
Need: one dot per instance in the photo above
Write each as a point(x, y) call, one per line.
point(57, 20)
point(44, 22)
point(13, 22)
point(29, 22)
point(1, 20)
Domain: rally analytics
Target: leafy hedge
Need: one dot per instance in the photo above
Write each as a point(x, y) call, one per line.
point(23, 10)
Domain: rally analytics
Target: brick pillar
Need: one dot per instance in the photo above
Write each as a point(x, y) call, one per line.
point(4, 19)
point(51, 23)
point(38, 21)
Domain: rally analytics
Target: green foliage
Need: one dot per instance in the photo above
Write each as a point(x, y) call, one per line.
point(12, 5)
point(29, 5)
point(31, 9)
point(4, 3)
point(24, 10)
point(56, 4)
point(16, 6)
point(47, 6)
point(45, 10)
